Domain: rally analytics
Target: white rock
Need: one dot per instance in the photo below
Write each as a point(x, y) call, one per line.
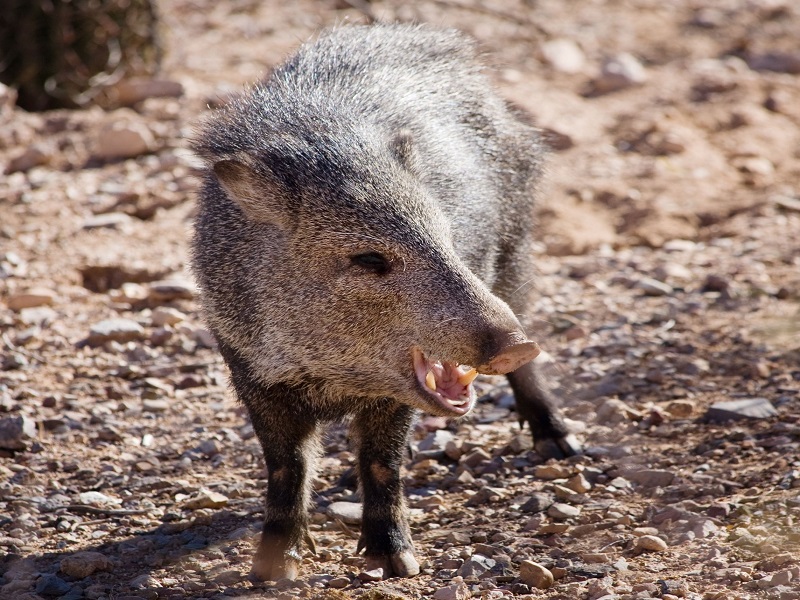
point(654, 287)
point(535, 575)
point(651, 543)
point(564, 55)
point(437, 440)
point(97, 499)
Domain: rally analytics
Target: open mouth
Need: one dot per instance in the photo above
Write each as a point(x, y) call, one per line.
point(448, 384)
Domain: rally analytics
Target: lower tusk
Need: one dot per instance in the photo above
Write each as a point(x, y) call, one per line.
point(431, 380)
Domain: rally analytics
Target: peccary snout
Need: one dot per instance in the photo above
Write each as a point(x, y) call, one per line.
point(515, 352)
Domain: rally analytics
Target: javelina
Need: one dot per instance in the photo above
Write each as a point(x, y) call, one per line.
point(363, 240)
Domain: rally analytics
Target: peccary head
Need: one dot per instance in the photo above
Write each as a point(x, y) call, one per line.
point(340, 267)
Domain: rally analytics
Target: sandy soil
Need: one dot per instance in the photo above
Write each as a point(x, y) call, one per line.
point(670, 283)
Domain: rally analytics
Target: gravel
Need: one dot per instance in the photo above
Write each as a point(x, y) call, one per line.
point(668, 291)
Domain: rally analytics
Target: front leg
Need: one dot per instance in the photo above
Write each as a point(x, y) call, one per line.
point(381, 434)
point(289, 436)
point(537, 407)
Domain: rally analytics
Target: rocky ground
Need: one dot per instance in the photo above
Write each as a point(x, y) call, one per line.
point(669, 298)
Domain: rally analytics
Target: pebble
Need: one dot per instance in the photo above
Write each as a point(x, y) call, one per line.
point(535, 575)
point(31, 299)
point(564, 55)
point(562, 511)
point(17, 432)
point(681, 409)
point(116, 330)
point(165, 315)
point(654, 287)
point(579, 484)
point(551, 472)
point(51, 585)
point(205, 498)
point(456, 591)
point(458, 538)
point(339, 582)
point(436, 440)
point(120, 140)
point(169, 290)
point(475, 566)
point(93, 498)
point(736, 410)
point(650, 543)
point(650, 478)
point(349, 513)
point(155, 405)
point(619, 72)
point(83, 564)
point(371, 575)
point(537, 502)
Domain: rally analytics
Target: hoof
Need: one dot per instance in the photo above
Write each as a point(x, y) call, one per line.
point(558, 448)
point(272, 566)
point(400, 564)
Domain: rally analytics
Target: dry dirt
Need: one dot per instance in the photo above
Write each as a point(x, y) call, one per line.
point(670, 282)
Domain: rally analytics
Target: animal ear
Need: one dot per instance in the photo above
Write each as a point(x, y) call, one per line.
point(260, 198)
point(402, 146)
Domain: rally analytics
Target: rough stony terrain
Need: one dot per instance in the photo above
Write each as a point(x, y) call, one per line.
point(669, 287)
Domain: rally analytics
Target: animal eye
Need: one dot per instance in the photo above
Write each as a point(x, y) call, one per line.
point(372, 261)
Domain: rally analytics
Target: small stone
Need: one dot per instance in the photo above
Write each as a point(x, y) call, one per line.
point(458, 538)
point(155, 405)
point(349, 513)
point(551, 472)
point(371, 575)
point(538, 502)
point(116, 330)
point(654, 287)
point(561, 511)
point(619, 72)
point(51, 585)
point(83, 564)
point(93, 498)
point(205, 498)
point(475, 566)
point(17, 432)
point(564, 55)
point(650, 478)
point(120, 140)
point(169, 290)
point(436, 440)
point(681, 409)
point(650, 543)
point(579, 484)
point(736, 410)
point(535, 575)
point(164, 315)
point(338, 583)
point(457, 591)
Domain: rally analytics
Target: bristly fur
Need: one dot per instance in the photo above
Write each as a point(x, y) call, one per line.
point(388, 141)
